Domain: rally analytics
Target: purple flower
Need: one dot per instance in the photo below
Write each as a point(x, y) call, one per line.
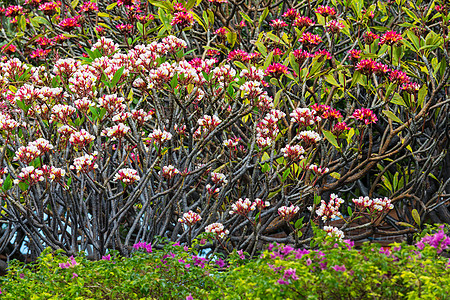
point(220, 262)
point(339, 268)
point(290, 273)
point(241, 254)
point(106, 257)
point(189, 297)
point(187, 266)
point(308, 261)
point(74, 275)
point(199, 261)
point(22, 275)
point(147, 247)
point(323, 265)
point(281, 281)
point(299, 253)
point(439, 240)
point(350, 244)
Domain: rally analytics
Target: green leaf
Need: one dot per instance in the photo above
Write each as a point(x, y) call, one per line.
point(392, 116)
point(261, 48)
point(299, 223)
point(140, 27)
point(7, 183)
point(421, 95)
point(41, 20)
point(74, 4)
point(349, 210)
point(286, 174)
point(405, 224)
point(414, 39)
point(246, 17)
point(111, 6)
point(263, 16)
point(103, 15)
point(317, 199)
point(416, 216)
point(268, 60)
point(331, 138)
point(117, 76)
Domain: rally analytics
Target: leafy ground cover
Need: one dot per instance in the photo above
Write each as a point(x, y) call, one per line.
point(331, 269)
point(124, 121)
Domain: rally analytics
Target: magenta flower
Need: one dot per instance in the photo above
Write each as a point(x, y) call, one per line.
point(390, 38)
point(147, 247)
point(189, 297)
point(220, 262)
point(106, 257)
point(276, 70)
point(365, 115)
point(74, 275)
point(339, 268)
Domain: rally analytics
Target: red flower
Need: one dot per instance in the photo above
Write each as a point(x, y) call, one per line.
point(278, 24)
point(39, 53)
point(335, 26)
point(370, 37)
point(303, 22)
point(276, 70)
point(326, 11)
point(366, 66)
point(291, 14)
point(365, 115)
point(300, 56)
point(390, 38)
point(182, 19)
point(69, 24)
point(238, 55)
point(398, 77)
point(308, 39)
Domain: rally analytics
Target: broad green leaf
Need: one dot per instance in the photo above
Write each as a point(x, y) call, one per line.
point(331, 138)
point(416, 216)
point(392, 116)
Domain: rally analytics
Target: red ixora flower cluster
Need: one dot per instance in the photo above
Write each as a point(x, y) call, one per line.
point(365, 115)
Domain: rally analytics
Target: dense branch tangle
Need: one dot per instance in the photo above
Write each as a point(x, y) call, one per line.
point(155, 131)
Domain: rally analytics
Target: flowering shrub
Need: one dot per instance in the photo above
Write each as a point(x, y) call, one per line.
point(118, 118)
point(333, 269)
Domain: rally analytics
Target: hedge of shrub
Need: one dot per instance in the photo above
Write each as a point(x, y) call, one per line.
point(330, 268)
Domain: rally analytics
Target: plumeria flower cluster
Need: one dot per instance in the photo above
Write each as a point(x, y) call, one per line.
point(31, 175)
point(305, 117)
point(53, 173)
point(127, 176)
point(218, 229)
point(242, 207)
point(85, 163)
point(288, 212)
point(81, 139)
point(365, 115)
point(159, 136)
point(33, 150)
point(373, 205)
point(330, 210)
point(294, 153)
point(190, 218)
point(267, 130)
point(169, 171)
point(117, 131)
point(318, 170)
point(334, 232)
point(309, 137)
